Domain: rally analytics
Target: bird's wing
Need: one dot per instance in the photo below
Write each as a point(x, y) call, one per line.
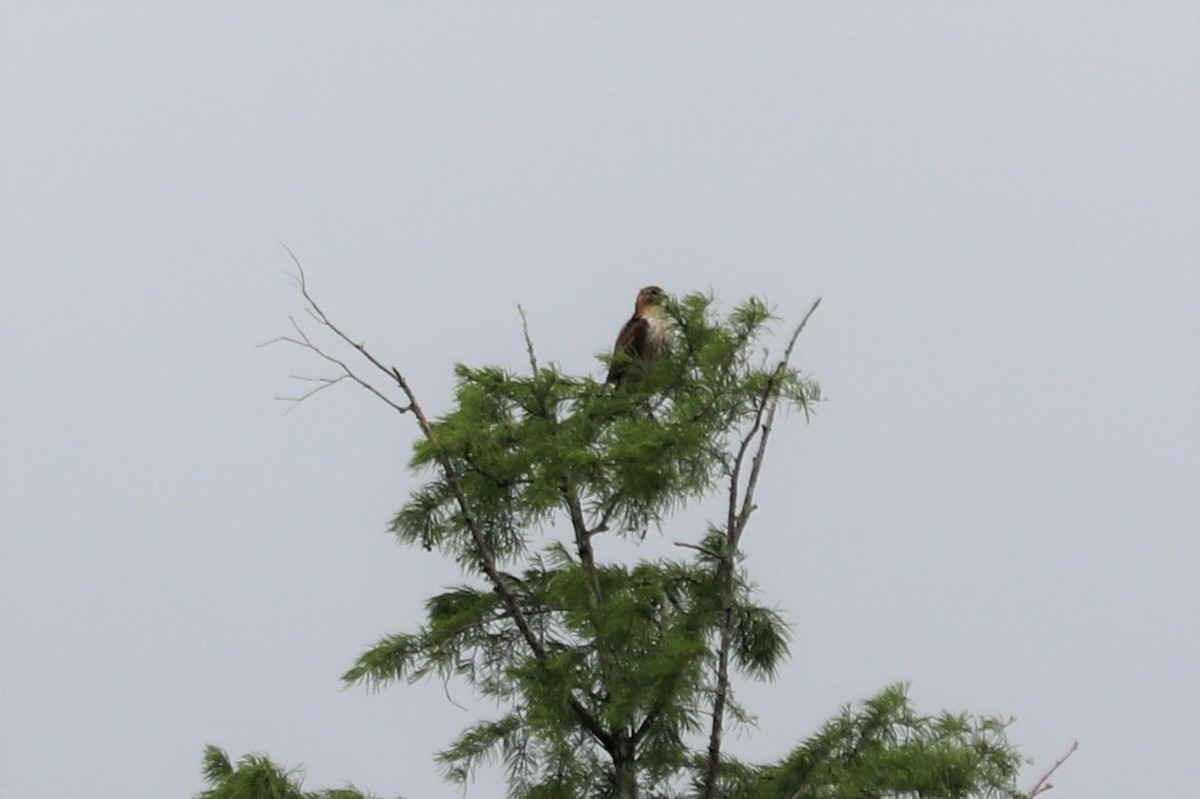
point(631, 343)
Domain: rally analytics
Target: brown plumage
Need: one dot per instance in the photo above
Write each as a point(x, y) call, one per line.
point(645, 337)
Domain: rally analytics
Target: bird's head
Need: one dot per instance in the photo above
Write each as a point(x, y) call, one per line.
point(650, 297)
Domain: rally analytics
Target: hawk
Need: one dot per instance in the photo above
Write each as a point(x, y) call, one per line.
point(645, 337)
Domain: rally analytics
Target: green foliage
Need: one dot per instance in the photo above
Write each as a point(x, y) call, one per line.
point(256, 777)
point(883, 748)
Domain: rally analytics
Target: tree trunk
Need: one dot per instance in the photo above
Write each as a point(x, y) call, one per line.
point(625, 765)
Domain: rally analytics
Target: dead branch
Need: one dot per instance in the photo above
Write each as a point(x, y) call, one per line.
point(701, 549)
point(315, 311)
point(301, 339)
point(1044, 784)
point(773, 391)
point(533, 364)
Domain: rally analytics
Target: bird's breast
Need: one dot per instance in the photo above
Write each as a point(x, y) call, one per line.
point(658, 336)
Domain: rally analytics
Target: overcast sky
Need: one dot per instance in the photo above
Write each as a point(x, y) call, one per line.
point(999, 204)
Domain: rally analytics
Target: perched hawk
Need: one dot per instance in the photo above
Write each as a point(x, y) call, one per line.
point(645, 337)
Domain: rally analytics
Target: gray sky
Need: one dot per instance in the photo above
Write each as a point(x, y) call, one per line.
point(998, 502)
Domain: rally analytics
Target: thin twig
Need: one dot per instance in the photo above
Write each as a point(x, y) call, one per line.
point(1043, 785)
point(756, 465)
point(450, 699)
point(317, 313)
point(698, 548)
point(305, 342)
point(533, 364)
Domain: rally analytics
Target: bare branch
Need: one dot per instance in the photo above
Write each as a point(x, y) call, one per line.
point(533, 364)
point(316, 312)
point(772, 390)
point(698, 548)
point(305, 342)
point(1044, 784)
point(323, 383)
point(735, 477)
point(739, 513)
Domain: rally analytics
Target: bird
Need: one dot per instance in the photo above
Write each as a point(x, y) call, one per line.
point(645, 338)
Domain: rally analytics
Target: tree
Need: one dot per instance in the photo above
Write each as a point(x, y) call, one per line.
point(615, 680)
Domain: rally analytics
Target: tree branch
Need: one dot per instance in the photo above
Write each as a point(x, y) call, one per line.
point(583, 541)
point(1043, 785)
point(302, 340)
point(533, 364)
point(773, 391)
point(698, 548)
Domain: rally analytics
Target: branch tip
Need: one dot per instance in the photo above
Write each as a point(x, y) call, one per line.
point(1044, 784)
point(533, 364)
